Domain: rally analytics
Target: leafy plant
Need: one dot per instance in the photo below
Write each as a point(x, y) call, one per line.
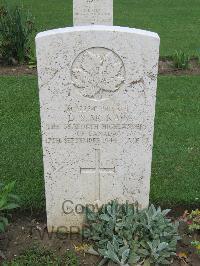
point(129, 236)
point(196, 245)
point(193, 221)
point(8, 201)
point(181, 60)
point(16, 29)
point(42, 257)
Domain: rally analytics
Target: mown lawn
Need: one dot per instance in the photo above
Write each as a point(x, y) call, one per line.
point(176, 21)
point(20, 142)
point(176, 168)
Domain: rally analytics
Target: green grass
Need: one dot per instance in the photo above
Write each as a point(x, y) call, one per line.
point(176, 21)
point(42, 257)
point(20, 143)
point(176, 168)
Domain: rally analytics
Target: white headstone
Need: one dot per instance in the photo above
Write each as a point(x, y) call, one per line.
point(97, 88)
point(98, 12)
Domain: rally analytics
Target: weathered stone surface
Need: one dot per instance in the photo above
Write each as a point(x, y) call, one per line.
point(97, 88)
point(98, 12)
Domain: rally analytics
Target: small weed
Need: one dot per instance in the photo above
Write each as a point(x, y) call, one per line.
point(71, 259)
point(181, 60)
point(198, 56)
point(193, 221)
point(8, 201)
point(196, 245)
point(32, 62)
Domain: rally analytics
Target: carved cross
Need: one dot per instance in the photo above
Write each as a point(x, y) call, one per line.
point(97, 171)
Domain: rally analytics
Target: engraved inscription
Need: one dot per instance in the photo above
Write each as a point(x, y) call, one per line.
point(97, 73)
point(82, 133)
point(98, 12)
point(97, 171)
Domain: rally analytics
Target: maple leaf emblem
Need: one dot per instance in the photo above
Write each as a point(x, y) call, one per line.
point(98, 72)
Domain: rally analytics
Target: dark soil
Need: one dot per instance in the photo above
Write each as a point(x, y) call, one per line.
point(17, 70)
point(165, 68)
point(27, 233)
